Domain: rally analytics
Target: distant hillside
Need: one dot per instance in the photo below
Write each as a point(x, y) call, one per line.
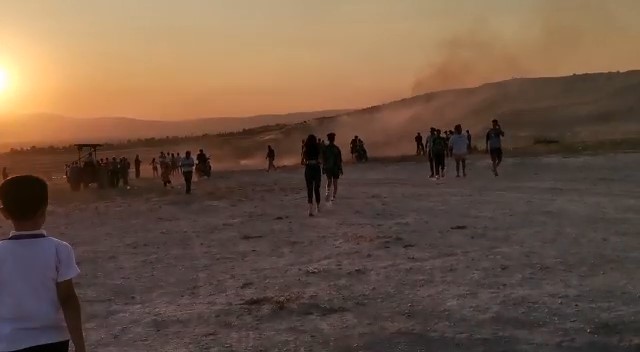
point(580, 107)
point(585, 107)
point(46, 129)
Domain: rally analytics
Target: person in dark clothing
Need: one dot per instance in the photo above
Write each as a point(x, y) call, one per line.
point(114, 169)
point(432, 135)
point(201, 158)
point(125, 166)
point(332, 166)
point(187, 165)
point(439, 149)
point(5, 173)
point(137, 163)
point(271, 157)
point(154, 167)
point(419, 144)
point(469, 141)
point(494, 145)
point(312, 172)
point(354, 147)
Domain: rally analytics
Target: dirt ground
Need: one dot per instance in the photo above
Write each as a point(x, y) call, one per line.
point(543, 258)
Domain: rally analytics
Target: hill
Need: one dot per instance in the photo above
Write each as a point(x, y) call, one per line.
point(586, 107)
point(48, 129)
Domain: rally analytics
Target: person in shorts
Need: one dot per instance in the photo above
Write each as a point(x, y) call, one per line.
point(332, 166)
point(494, 145)
point(459, 146)
point(39, 308)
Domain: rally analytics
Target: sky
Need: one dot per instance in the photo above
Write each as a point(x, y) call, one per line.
point(170, 59)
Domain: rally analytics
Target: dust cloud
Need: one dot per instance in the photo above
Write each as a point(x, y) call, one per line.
point(560, 37)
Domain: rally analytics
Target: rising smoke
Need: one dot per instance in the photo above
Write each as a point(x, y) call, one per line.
point(560, 37)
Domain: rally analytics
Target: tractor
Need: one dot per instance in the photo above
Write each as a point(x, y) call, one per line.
point(86, 171)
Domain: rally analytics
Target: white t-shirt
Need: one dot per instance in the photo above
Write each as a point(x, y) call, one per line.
point(187, 164)
point(30, 313)
point(460, 144)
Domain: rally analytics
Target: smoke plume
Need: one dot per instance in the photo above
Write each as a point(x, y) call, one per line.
point(560, 37)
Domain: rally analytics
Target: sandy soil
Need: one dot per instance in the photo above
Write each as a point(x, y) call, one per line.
point(543, 258)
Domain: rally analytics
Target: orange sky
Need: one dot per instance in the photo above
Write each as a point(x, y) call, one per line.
point(171, 59)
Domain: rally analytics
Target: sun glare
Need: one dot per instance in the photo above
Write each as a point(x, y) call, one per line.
point(4, 80)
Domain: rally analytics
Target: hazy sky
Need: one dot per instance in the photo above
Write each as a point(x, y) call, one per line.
point(193, 58)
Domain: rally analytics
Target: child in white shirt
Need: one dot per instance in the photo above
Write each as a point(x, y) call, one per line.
point(39, 308)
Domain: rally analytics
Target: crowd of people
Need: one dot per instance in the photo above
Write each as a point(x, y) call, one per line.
point(170, 164)
point(457, 145)
point(111, 173)
point(25, 200)
point(104, 172)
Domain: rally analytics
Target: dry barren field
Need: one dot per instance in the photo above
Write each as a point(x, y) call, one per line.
point(543, 258)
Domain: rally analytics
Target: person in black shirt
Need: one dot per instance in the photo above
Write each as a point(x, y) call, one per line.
point(271, 157)
point(201, 158)
point(137, 163)
point(419, 144)
point(312, 172)
point(439, 150)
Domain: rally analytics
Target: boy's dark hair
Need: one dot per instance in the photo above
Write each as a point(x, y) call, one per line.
point(23, 197)
point(331, 137)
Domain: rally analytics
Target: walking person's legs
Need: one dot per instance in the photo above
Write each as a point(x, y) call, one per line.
point(329, 184)
point(457, 166)
point(464, 167)
point(439, 164)
point(308, 178)
point(496, 159)
point(316, 187)
point(335, 189)
point(431, 166)
point(188, 178)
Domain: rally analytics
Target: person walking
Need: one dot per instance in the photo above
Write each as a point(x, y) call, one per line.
point(494, 145)
point(187, 165)
point(419, 144)
point(312, 172)
point(154, 167)
point(429, 146)
point(332, 166)
point(271, 157)
point(439, 150)
point(459, 146)
point(137, 163)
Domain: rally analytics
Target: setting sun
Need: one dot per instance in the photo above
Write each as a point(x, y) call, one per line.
point(4, 80)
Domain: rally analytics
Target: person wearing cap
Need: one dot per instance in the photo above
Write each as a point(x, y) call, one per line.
point(332, 166)
point(494, 145)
